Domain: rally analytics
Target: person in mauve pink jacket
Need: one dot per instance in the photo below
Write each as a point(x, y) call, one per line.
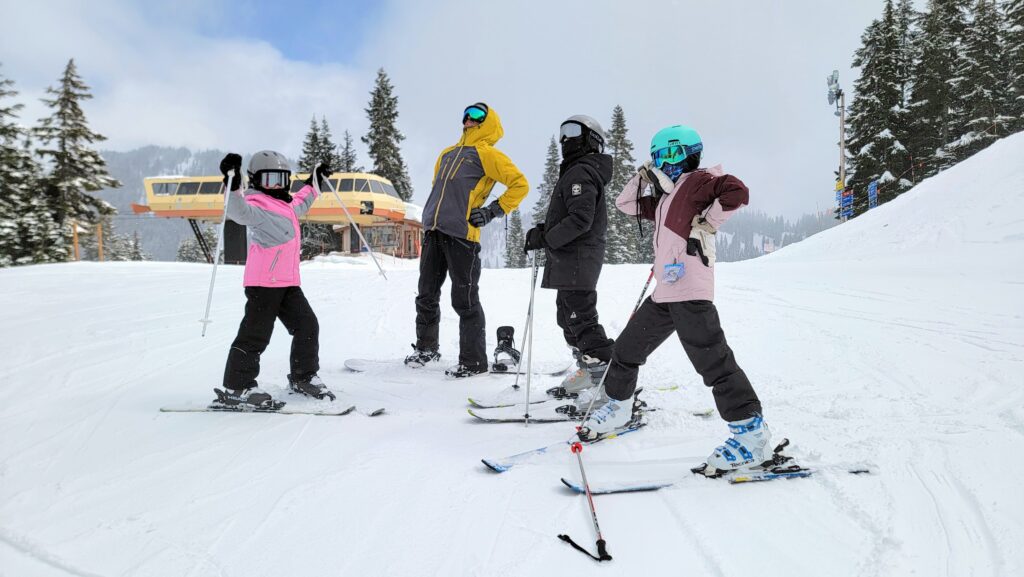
point(687, 205)
point(271, 215)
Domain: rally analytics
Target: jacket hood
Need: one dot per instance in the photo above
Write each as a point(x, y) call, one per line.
point(487, 132)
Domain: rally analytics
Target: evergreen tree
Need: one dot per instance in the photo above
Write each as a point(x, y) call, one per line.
point(1013, 44)
point(318, 148)
point(76, 170)
point(985, 115)
point(189, 249)
point(876, 113)
point(622, 236)
point(383, 138)
point(347, 161)
point(328, 149)
point(27, 231)
point(547, 186)
point(135, 251)
point(933, 97)
point(514, 241)
point(310, 148)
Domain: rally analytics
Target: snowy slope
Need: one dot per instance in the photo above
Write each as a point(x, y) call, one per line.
point(896, 339)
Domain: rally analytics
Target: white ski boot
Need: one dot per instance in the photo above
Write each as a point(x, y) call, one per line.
point(608, 415)
point(586, 376)
point(749, 448)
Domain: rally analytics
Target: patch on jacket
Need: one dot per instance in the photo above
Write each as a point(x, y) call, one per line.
point(577, 189)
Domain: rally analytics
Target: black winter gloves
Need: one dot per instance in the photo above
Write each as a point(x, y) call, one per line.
point(534, 238)
point(232, 162)
point(479, 217)
point(322, 172)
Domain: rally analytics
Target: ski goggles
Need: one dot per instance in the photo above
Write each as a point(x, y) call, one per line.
point(271, 179)
point(570, 130)
point(474, 113)
point(674, 154)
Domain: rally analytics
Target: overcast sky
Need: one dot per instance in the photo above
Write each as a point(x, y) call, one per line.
point(749, 75)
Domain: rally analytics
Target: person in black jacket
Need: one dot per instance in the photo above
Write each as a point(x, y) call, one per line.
point(573, 238)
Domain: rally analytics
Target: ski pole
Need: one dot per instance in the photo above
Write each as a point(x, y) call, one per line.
point(216, 253)
point(529, 343)
point(640, 300)
point(602, 553)
point(529, 315)
point(330, 185)
point(600, 386)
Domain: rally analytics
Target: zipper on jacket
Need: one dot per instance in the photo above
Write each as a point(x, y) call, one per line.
point(456, 171)
point(273, 264)
point(437, 210)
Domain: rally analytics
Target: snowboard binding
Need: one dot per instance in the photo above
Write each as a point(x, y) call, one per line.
point(506, 357)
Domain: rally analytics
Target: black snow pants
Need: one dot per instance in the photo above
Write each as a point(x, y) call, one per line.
point(263, 307)
point(440, 256)
point(577, 316)
point(699, 329)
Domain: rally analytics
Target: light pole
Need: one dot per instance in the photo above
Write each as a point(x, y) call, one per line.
point(838, 97)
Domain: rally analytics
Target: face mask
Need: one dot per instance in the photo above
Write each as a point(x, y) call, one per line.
point(673, 171)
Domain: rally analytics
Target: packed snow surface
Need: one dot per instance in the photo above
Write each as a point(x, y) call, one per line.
point(895, 340)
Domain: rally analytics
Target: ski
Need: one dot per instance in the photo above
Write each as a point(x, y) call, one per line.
point(548, 369)
point(548, 411)
point(285, 410)
point(673, 473)
point(503, 464)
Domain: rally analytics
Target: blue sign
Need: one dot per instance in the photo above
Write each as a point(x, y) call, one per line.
point(873, 194)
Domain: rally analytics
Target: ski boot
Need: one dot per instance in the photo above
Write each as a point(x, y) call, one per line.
point(506, 357)
point(250, 399)
point(420, 357)
point(461, 371)
point(749, 448)
point(311, 386)
point(607, 415)
point(589, 374)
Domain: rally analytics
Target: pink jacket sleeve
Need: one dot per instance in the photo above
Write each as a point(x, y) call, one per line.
point(627, 200)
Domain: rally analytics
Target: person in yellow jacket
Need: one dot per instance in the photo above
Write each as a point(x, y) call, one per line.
point(464, 176)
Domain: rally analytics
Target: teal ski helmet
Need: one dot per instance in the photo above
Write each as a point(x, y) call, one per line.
point(674, 144)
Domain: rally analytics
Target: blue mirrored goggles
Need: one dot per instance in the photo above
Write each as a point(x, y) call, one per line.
point(674, 154)
point(474, 113)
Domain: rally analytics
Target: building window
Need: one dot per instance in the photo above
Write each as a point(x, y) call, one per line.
point(210, 187)
point(188, 188)
point(164, 188)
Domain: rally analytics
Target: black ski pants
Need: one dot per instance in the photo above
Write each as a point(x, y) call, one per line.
point(699, 329)
point(440, 256)
point(263, 307)
point(576, 314)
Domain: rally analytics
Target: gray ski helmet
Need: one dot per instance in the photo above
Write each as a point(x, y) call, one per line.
point(268, 160)
point(594, 136)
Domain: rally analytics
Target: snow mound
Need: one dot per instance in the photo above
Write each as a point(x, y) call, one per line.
point(972, 209)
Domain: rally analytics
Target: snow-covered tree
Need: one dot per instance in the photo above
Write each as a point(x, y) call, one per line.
point(318, 148)
point(328, 149)
point(76, 170)
point(547, 186)
point(622, 236)
point(383, 138)
point(933, 97)
point(347, 160)
point(984, 102)
point(514, 255)
point(189, 249)
point(877, 117)
point(28, 233)
point(1013, 43)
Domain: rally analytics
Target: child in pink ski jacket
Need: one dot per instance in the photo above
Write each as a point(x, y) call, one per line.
point(271, 215)
point(687, 205)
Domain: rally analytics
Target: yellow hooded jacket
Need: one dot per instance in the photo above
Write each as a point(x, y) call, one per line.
point(464, 175)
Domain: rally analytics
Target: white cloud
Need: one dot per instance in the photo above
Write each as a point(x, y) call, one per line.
point(748, 75)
